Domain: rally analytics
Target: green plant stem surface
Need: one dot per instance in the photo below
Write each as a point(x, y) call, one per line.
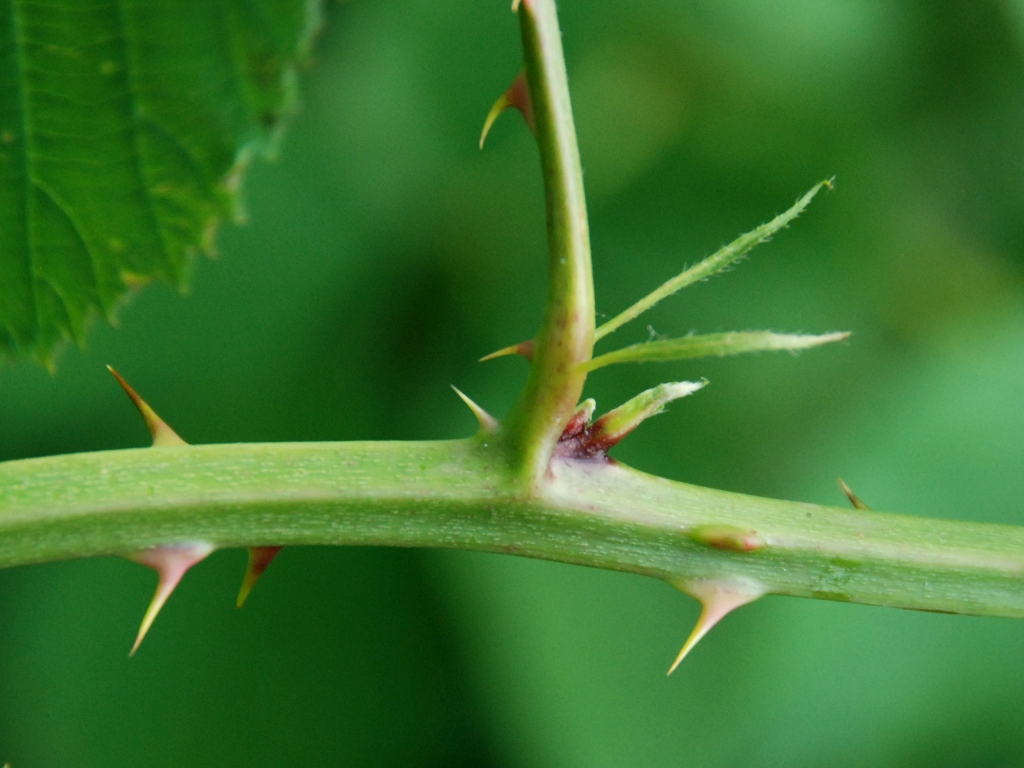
point(566, 337)
point(461, 494)
point(479, 494)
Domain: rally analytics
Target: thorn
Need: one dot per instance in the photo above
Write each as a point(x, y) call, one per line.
point(170, 562)
point(488, 424)
point(515, 6)
point(259, 559)
point(718, 597)
point(523, 349)
point(163, 435)
point(497, 108)
point(518, 96)
point(854, 499)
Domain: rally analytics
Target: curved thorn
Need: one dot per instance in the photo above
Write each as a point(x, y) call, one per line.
point(488, 423)
point(163, 435)
point(518, 96)
point(854, 499)
point(170, 563)
point(497, 108)
point(523, 349)
point(515, 6)
point(259, 559)
point(718, 597)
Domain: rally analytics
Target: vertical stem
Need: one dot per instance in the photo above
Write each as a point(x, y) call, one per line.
point(566, 337)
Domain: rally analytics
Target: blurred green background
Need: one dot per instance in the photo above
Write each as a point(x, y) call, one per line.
point(384, 254)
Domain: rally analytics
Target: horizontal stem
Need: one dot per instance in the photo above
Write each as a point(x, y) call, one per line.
point(463, 494)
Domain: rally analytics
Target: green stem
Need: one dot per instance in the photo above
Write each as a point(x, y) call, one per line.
point(459, 494)
point(566, 337)
point(471, 494)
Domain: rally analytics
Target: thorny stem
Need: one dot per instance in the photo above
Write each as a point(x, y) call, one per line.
point(464, 494)
point(566, 337)
point(454, 494)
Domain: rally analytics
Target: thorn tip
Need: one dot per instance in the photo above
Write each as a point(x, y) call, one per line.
point(518, 96)
point(854, 499)
point(497, 108)
point(171, 563)
point(259, 559)
point(523, 349)
point(163, 435)
point(718, 598)
point(488, 424)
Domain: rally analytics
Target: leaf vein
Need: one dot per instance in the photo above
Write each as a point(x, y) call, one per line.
point(17, 33)
point(137, 114)
point(66, 210)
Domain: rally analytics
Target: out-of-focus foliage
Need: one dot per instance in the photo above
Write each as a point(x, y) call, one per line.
point(123, 130)
point(385, 254)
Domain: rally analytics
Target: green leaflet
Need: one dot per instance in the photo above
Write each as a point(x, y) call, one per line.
point(712, 345)
point(124, 129)
point(723, 258)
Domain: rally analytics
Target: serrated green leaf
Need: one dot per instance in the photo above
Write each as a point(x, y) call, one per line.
point(124, 129)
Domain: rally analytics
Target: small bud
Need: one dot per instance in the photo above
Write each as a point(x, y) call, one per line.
point(163, 435)
point(580, 420)
point(488, 424)
point(259, 559)
point(728, 538)
point(718, 598)
point(593, 441)
point(170, 562)
point(616, 424)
